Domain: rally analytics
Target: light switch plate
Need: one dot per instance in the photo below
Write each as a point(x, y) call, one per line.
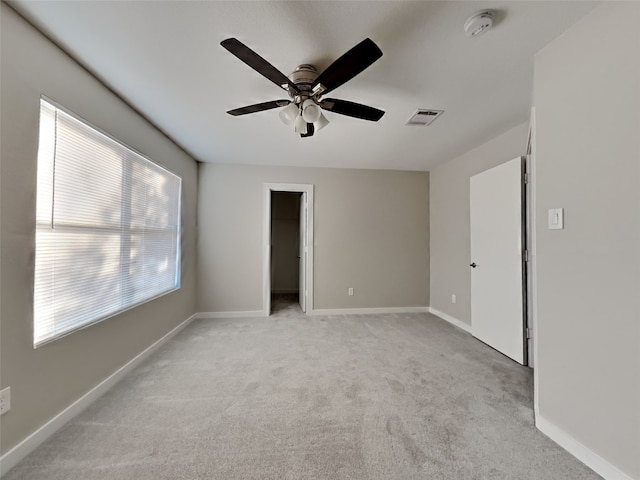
point(556, 218)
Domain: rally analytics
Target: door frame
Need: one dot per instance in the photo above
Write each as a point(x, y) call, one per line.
point(533, 260)
point(532, 353)
point(267, 189)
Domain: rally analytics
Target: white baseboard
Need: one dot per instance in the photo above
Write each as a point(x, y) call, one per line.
point(361, 311)
point(578, 450)
point(247, 314)
point(452, 320)
point(11, 458)
point(322, 311)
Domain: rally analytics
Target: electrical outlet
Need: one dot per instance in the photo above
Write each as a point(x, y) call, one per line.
point(453, 298)
point(350, 292)
point(5, 400)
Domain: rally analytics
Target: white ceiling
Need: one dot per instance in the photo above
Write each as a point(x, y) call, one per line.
point(164, 58)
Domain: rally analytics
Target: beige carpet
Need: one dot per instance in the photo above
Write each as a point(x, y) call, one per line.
point(294, 397)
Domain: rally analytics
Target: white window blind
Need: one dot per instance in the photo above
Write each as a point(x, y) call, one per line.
point(107, 227)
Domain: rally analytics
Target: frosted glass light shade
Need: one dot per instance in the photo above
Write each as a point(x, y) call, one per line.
point(310, 111)
point(300, 125)
point(288, 114)
point(321, 122)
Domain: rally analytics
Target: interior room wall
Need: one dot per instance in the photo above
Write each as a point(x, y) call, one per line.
point(46, 380)
point(587, 149)
point(450, 217)
point(285, 238)
point(371, 234)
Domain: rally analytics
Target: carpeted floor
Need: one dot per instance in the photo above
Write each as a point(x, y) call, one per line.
point(295, 397)
point(285, 305)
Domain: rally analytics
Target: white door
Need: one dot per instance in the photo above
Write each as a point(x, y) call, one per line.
point(496, 258)
point(302, 254)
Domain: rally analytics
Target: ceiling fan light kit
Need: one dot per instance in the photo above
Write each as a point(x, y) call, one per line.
point(305, 87)
point(289, 113)
point(310, 111)
point(321, 122)
point(300, 126)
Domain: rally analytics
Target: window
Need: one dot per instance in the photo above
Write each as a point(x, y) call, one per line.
point(107, 227)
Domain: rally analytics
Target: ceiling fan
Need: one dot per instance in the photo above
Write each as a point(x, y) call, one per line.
point(306, 88)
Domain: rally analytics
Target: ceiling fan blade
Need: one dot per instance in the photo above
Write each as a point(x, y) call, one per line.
point(348, 66)
point(351, 109)
point(258, 63)
point(258, 107)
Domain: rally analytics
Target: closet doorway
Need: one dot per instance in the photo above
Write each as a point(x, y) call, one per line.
point(288, 249)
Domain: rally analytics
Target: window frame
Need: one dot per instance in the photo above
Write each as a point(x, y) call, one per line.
point(130, 232)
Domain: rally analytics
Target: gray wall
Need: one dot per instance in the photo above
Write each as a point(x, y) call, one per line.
point(449, 217)
point(46, 380)
point(587, 99)
point(371, 233)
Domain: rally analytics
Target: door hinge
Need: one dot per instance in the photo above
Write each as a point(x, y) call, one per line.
point(525, 255)
point(529, 332)
point(526, 178)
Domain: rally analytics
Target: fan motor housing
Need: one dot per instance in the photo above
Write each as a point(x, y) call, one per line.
point(303, 76)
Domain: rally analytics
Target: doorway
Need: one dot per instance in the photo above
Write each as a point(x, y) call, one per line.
point(287, 238)
point(288, 249)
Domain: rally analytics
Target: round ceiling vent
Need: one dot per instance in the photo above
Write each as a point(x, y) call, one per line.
point(479, 23)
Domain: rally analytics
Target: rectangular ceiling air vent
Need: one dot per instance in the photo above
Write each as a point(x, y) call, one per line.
point(424, 117)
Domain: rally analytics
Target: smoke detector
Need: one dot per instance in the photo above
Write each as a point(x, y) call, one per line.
point(479, 23)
